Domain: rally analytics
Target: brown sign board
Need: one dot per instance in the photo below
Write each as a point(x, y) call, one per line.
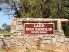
point(38, 28)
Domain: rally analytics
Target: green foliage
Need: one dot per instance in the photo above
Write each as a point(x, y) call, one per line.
point(34, 8)
point(44, 9)
point(6, 27)
point(0, 29)
point(40, 8)
point(66, 28)
point(4, 33)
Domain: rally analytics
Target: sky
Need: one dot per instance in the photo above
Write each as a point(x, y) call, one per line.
point(4, 19)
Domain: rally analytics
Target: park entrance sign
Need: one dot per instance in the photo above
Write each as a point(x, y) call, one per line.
point(38, 28)
point(22, 30)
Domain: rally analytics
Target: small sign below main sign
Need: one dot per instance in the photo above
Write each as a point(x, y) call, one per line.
point(38, 28)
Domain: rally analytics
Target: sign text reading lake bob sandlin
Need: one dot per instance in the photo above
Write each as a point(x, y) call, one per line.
point(38, 28)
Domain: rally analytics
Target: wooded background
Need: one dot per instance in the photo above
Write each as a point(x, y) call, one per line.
point(38, 9)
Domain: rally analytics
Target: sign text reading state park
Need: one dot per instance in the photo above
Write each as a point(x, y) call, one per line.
point(38, 28)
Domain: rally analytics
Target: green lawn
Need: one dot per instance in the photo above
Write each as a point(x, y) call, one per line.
point(5, 33)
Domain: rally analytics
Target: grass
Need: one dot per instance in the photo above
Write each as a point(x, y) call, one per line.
point(4, 33)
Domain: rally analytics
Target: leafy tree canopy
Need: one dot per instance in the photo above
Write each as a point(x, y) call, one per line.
point(38, 8)
point(6, 27)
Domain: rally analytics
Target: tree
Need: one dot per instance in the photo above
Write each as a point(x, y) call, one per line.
point(30, 8)
point(62, 11)
point(6, 27)
point(38, 8)
point(0, 29)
